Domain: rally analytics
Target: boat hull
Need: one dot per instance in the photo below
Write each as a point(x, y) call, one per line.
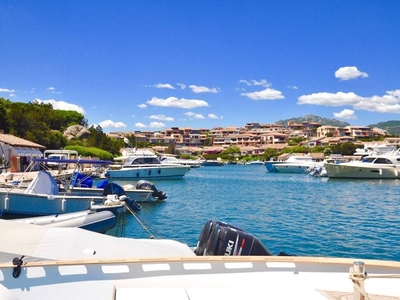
point(17, 203)
point(149, 173)
point(286, 168)
point(88, 220)
point(197, 278)
point(349, 170)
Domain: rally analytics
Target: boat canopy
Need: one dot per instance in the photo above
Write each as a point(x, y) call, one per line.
point(73, 161)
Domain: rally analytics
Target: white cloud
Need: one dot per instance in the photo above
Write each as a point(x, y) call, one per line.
point(140, 125)
point(6, 90)
point(61, 105)
point(293, 87)
point(253, 82)
point(202, 89)
point(345, 114)
point(179, 103)
point(161, 118)
point(182, 85)
point(112, 124)
point(267, 94)
point(193, 115)
point(142, 105)
point(156, 124)
point(330, 99)
point(52, 90)
point(389, 103)
point(213, 116)
point(347, 73)
point(164, 86)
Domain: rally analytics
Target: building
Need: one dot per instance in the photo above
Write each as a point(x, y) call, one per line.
point(17, 153)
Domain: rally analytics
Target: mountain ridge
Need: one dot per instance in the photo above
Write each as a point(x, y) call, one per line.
point(392, 126)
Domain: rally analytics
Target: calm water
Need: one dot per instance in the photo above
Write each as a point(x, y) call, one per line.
point(293, 213)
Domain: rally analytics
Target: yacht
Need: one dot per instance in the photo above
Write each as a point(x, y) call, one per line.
point(145, 164)
point(296, 164)
point(374, 166)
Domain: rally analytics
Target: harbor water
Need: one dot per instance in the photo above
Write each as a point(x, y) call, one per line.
point(294, 213)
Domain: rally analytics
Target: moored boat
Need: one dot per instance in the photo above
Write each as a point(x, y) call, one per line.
point(144, 164)
point(374, 166)
point(41, 198)
point(90, 220)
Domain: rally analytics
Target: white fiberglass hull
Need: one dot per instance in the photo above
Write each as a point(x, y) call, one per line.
point(141, 196)
point(362, 170)
point(248, 277)
point(294, 168)
point(149, 172)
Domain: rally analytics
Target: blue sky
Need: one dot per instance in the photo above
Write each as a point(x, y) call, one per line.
point(150, 65)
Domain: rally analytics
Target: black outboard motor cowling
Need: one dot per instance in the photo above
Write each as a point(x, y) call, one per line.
point(147, 185)
point(206, 233)
point(219, 238)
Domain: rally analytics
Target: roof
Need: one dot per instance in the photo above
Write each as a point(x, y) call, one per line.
point(16, 141)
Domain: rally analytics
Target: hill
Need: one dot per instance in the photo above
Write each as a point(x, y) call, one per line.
point(393, 126)
point(312, 118)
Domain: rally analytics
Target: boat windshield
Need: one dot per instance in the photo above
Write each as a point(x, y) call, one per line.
point(142, 161)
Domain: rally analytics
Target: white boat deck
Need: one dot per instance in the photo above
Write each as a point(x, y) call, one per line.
point(202, 278)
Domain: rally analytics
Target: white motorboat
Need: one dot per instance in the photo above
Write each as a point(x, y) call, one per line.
point(297, 164)
point(299, 159)
point(41, 198)
point(144, 164)
point(69, 263)
point(193, 163)
point(375, 166)
point(143, 192)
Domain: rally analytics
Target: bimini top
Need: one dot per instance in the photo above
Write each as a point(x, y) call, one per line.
point(72, 161)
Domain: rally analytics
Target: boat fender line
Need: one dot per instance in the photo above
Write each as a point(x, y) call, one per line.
point(17, 262)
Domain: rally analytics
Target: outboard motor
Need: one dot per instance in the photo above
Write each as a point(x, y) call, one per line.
point(147, 185)
point(227, 240)
point(206, 233)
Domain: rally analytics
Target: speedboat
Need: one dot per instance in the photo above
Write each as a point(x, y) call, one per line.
point(375, 166)
point(228, 262)
point(145, 164)
point(193, 163)
point(297, 164)
point(42, 197)
point(295, 159)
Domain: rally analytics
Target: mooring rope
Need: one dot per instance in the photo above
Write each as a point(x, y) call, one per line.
point(357, 278)
point(144, 224)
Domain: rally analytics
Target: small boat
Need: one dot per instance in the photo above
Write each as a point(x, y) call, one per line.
point(193, 163)
point(296, 164)
point(100, 221)
point(213, 163)
point(143, 192)
point(144, 164)
point(41, 198)
point(254, 162)
point(69, 263)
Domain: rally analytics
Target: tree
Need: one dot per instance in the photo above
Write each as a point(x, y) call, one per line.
point(231, 151)
point(270, 153)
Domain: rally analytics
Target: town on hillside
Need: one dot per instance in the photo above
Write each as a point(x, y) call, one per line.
point(252, 139)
